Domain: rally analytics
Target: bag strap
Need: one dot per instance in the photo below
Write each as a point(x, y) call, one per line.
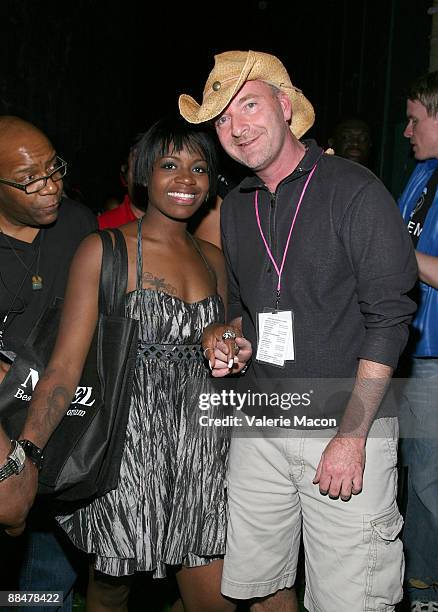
point(120, 272)
point(113, 273)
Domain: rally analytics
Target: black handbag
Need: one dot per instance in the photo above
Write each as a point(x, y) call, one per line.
point(82, 457)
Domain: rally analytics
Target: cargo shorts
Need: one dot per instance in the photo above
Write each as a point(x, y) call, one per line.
point(353, 556)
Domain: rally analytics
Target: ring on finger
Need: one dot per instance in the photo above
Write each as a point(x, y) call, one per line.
point(229, 334)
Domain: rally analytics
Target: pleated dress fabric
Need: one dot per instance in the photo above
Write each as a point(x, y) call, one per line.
point(169, 507)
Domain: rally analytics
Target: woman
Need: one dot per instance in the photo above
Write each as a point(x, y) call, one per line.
point(169, 506)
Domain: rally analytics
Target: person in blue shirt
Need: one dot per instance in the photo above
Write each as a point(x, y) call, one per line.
point(419, 207)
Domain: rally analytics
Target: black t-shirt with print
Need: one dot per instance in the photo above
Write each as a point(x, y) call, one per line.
point(57, 243)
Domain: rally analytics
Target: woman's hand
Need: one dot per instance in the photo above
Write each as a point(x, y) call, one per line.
point(227, 351)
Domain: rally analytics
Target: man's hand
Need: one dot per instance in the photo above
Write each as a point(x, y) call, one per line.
point(225, 356)
point(17, 494)
point(4, 369)
point(340, 469)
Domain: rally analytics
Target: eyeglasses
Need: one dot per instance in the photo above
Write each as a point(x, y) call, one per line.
point(40, 183)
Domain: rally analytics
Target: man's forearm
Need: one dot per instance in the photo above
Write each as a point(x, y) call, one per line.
point(427, 269)
point(5, 446)
point(371, 383)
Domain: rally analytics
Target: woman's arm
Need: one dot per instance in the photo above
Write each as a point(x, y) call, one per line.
point(57, 385)
point(222, 355)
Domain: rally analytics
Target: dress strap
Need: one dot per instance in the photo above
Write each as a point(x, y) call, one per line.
point(139, 255)
point(201, 254)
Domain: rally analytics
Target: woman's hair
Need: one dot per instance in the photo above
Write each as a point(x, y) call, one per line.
point(174, 134)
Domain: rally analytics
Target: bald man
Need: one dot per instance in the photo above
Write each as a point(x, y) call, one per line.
point(39, 233)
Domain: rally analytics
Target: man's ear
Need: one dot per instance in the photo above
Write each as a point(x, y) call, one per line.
point(286, 105)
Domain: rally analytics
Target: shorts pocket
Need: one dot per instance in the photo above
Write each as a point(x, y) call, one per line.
point(385, 560)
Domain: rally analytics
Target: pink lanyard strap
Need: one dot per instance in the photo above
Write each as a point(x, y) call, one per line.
point(286, 248)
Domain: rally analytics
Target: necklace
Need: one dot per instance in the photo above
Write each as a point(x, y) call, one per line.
point(37, 279)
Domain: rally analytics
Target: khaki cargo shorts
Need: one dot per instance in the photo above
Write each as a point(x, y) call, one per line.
point(353, 556)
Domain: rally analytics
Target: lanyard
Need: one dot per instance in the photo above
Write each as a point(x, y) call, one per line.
point(279, 270)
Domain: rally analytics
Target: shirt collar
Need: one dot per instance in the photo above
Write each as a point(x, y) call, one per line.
point(311, 157)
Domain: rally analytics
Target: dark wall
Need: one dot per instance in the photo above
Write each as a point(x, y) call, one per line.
point(94, 73)
point(410, 36)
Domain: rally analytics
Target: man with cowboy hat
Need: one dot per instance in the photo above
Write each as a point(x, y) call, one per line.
point(319, 270)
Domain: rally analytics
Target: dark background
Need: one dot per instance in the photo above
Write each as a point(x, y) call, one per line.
point(93, 73)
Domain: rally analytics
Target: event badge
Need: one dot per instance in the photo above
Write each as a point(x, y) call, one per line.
point(275, 337)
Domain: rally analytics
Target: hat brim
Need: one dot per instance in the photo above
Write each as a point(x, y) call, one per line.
point(214, 103)
point(303, 115)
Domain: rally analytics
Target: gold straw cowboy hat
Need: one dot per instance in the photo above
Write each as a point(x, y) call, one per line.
point(231, 70)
